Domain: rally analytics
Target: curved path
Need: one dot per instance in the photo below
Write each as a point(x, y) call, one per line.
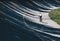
point(19, 20)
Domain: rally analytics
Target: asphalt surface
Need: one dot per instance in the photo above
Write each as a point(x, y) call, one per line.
point(19, 20)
